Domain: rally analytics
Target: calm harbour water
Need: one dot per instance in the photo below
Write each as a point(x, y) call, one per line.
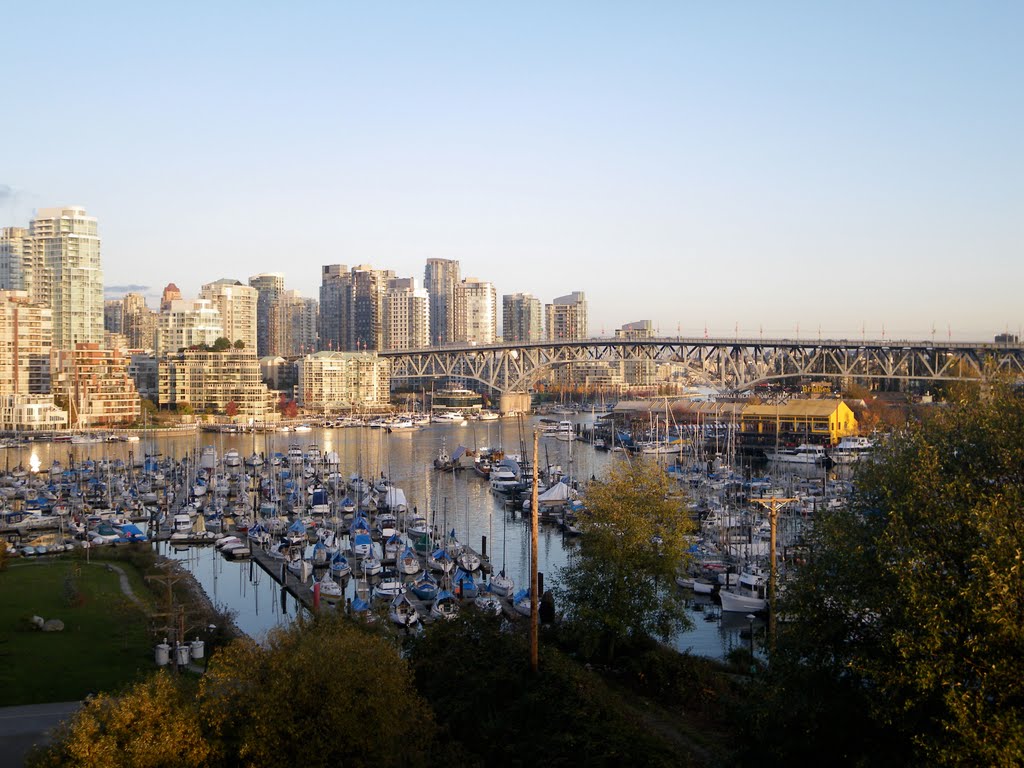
point(461, 501)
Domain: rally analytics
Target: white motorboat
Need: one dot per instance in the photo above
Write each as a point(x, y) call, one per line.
point(850, 450)
point(805, 453)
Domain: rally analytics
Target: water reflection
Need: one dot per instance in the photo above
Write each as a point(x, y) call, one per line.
point(460, 501)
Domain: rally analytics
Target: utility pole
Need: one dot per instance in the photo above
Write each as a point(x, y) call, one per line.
point(773, 505)
point(534, 587)
point(174, 616)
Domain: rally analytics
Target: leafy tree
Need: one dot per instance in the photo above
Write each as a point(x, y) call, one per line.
point(239, 344)
point(185, 409)
point(620, 583)
point(231, 409)
point(154, 723)
point(912, 606)
point(221, 344)
point(287, 407)
point(326, 692)
point(502, 714)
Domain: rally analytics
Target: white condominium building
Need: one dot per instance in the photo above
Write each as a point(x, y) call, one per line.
point(476, 312)
point(209, 380)
point(57, 262)
point(188, 323)
point(67, 250)
point(406, 315)
point(236, 303)
point(336, 381)
point(567, 317)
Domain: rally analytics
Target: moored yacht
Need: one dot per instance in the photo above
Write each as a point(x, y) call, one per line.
point(851, 449)
point(805, 453)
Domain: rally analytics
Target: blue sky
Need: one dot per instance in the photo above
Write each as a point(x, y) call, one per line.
point(846, 167)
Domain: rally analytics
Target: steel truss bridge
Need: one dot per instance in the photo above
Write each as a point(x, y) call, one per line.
point(736, 364)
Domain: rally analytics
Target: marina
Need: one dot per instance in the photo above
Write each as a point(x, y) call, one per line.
point(217, 484)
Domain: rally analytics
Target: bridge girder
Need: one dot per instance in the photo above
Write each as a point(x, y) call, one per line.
point(735, 364)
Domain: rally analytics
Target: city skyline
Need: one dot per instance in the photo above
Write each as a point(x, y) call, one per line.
point(788, 171)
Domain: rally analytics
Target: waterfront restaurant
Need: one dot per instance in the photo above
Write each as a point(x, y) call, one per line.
point(799, 421)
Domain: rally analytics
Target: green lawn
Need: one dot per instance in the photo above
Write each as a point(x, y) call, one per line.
point(105, 642)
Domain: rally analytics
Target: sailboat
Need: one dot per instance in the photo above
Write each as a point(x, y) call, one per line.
point(330, 589)
point(403, 612)
point(445, 606)
point(408, 563)
point(425, 587)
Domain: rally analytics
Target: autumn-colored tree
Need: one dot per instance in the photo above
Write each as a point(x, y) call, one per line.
point(287, 407)
point(231, 409)
point(620, 582)
point(154, 724)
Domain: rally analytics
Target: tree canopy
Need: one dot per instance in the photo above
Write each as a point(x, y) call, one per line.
point(912, 603)
point(620, 583)
point(327, 692)
point(154, 724)
point(321, 692)
point(476, 673)
point(287, 407)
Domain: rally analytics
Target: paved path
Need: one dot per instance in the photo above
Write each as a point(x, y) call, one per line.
point(126, 586)
point(23, 727)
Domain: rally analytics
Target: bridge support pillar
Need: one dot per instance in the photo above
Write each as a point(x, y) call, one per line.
point(514, 402)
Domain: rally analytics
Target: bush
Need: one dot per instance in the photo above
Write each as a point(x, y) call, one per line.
point(562, 716)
